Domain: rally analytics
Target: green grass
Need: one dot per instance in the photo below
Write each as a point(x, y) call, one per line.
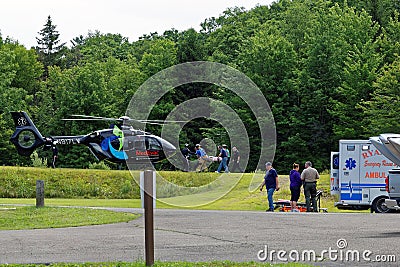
point(219, 195)
point(78, 202)
point(51, 217)
point(163, 264)
point(20, 182)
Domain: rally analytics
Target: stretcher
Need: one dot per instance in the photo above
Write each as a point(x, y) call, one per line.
point(284, 204)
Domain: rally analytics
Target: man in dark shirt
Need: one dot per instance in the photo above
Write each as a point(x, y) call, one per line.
point(235, 160)
point(295, 186)
point(271, 184)
point(186, 155)
point(55, 155)
point(224, 159)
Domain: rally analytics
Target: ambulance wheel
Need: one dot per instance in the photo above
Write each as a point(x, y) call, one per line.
point(378, 205)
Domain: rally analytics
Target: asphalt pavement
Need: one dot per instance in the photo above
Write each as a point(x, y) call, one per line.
point(325, 239)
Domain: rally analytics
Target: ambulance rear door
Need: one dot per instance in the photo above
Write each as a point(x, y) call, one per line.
point(349, 172)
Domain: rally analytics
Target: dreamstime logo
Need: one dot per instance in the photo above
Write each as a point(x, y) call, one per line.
point(218, 77)
point(341, 253)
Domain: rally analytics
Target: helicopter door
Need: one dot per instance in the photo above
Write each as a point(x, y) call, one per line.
point(153, 147)
point(139, 145)
point(152, 144)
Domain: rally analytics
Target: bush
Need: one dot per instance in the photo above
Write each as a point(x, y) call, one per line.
point(37, 161)
point(99, 166)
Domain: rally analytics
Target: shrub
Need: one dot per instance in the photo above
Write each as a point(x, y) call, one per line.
point(99, 166)
point(37, 161)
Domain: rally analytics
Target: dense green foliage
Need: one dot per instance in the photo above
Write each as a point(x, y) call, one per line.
point(329, 70)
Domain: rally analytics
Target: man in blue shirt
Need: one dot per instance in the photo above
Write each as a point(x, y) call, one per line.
point(201, 156)
point(271, 184)
point(224, 160)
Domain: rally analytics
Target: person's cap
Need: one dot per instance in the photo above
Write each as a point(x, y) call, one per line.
point(224, 145)
point(268, 164)
point(198, 145)
point(186, 145)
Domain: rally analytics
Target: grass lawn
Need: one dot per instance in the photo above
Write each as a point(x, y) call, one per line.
point(227, 195)
point(30, 217)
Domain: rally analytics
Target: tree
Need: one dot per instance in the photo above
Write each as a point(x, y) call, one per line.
point(191, 46)
point(390, 41)
point(49, 47)
point(380, 10)
point(19, 73)
point(359, 72)
point(233, 28)
point(323, 72)
point(269, 60)
point(381, 113)
point(98, 46)
point(160, 55)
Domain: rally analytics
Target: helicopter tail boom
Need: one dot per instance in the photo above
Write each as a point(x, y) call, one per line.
point(26, 137)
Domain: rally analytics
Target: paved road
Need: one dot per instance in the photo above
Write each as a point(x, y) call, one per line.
point(183, 235)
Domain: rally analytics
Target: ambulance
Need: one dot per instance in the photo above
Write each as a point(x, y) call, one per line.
point(358, 173)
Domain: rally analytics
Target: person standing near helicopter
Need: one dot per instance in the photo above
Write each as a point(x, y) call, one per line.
point(55, 155)
point(186, 155)
point(235, 160)
point(224, 159)
point(202, 158)
point(228, 154)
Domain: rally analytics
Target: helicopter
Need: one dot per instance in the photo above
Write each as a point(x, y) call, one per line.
point(118, 144)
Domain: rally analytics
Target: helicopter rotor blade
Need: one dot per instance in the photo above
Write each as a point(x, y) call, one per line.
point(88, 119)
point(92, 117)
point(156, 122)
point(145, 122)
point(123, 119)
point(162, 121)
point(85, 116)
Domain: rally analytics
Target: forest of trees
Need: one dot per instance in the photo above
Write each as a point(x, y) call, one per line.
point(330, 70)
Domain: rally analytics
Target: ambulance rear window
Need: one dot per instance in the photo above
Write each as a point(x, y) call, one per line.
point(335, 162)
point(351, 147)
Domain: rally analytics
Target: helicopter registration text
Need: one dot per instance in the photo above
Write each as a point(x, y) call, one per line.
point(69, 141)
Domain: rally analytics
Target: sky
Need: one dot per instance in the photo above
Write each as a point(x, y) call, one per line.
point(21, 20)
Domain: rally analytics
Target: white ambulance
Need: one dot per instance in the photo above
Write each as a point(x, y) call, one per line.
point(358, 173)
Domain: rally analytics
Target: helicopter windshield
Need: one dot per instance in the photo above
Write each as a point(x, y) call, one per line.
point(153, 144)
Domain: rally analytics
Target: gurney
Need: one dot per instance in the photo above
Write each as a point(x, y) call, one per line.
point(284, 204)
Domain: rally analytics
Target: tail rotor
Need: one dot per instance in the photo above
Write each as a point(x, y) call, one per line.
point(26, 137)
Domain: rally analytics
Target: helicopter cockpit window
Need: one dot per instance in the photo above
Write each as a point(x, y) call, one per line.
point(153, 144)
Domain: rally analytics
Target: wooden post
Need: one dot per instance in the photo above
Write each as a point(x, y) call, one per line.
point(148, 217)
point(39, 193)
